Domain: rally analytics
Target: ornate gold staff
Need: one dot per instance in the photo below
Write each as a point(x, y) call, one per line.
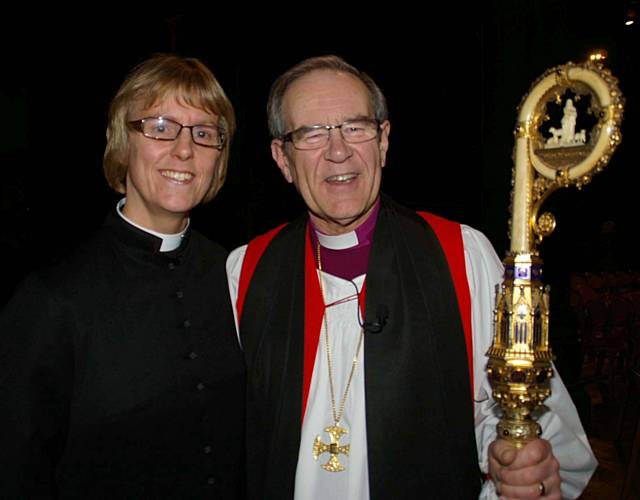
point(548, 156)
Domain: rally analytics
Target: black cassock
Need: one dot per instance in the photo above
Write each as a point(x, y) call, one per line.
point(121, 374)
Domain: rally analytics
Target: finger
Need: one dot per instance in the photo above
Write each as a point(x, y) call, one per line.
point(534, 452)
point(548, 489)
point(501, 455)
point(524, 482)
point(531, 475)
point(503, 452)
point(496, 484)
point(508, 492)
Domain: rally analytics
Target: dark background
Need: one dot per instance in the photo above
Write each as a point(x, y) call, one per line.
point(453, 77)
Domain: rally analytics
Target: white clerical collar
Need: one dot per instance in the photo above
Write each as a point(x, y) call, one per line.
point(338, 241)
point(169, 241)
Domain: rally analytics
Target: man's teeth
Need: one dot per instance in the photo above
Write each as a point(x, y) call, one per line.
point(341, 178)
point(177, 176)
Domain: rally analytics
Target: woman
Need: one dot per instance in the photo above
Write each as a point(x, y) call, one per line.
point(121, 373)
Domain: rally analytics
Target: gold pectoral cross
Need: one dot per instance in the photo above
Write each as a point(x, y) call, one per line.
point(333, 448)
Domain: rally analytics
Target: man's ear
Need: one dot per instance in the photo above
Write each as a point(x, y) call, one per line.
point(280, 157)
point(383, 144)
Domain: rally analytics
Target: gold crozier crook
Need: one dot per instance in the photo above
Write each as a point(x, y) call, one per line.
point(548, 156)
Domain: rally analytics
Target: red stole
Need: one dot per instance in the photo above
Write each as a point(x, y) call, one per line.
point(449, 235)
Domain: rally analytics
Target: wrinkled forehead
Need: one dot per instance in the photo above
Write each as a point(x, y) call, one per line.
point(325, 97)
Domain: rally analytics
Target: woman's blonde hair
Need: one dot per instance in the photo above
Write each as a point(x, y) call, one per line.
point(192, 84)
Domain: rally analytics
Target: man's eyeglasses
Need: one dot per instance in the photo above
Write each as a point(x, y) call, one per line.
point(317, 136)
point(164, 129)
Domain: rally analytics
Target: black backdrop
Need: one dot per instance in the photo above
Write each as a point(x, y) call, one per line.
point(453, 77)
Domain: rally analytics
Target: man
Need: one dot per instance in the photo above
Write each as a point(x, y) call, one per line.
point(120, 363)
point(364, 326)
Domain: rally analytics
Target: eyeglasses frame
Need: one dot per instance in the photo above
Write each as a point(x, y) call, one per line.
point(288, 137)
point(137, 125)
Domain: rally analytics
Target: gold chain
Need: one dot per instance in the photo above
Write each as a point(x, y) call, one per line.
point(336, 416)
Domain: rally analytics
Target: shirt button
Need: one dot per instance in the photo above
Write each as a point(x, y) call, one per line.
point(179, 294)
point(200, 386)
point(186, 323)
point(192, 355)
point(207, 449)
point(171, 266)
point(211, 480)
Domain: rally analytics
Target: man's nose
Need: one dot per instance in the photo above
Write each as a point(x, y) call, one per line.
point(338, 150)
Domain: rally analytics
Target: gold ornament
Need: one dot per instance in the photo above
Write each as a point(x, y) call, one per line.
point(335, 431)
point(547, 157)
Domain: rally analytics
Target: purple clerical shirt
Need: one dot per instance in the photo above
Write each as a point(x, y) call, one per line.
point(347, 255)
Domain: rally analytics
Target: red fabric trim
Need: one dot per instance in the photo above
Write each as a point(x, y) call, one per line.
point(313, 316)
point(313, 313)
point(314, 306)
point(450, 237)
point(255, 249)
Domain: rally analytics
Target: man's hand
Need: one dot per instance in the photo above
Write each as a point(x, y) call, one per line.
point(528, 472)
